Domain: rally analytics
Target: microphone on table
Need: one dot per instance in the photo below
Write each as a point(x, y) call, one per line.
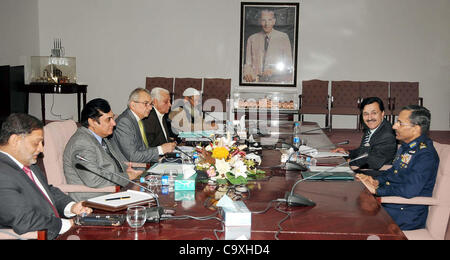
point(181, 151)
point(81, 158)
point(315, 129)
point(295, 200)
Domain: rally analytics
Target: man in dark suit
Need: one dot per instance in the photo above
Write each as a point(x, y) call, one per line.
point(156, 125)
point(378, 139)
point(27, 202)
point(130, 135)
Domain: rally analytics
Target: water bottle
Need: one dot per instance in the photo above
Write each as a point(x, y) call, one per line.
point(195, 158)
point(310, 162)
point(296, 135)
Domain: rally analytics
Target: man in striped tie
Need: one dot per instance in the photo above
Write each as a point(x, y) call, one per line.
point(378, 139)
point(129, 134)
point(27, 202)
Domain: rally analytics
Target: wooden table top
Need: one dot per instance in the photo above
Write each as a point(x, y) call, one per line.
point(344, 210)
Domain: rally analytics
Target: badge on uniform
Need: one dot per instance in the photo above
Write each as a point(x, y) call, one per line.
point(406, 158)
point(422, 145)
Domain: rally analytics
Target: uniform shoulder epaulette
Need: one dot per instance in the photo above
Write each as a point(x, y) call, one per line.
point(422, 146)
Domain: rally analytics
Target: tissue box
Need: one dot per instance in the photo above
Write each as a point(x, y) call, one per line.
point(184, 195)
point(185, 184)
point(239, 217)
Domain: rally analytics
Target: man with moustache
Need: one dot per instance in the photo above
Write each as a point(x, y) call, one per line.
point(378, 139)
point(129, 134)
point(27, 202)
point(90, 141)
point(413, 173)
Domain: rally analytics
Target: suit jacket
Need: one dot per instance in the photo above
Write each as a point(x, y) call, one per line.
point(382, 149)
point(22, 205)
point(94, 174)
point(127, 136)
point(153, 129)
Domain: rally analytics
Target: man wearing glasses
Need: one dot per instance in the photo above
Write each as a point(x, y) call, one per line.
point(413, 172)
point(130, 133)
point(378, 139)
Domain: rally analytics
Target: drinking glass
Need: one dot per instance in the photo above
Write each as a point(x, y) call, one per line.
point(136, 216)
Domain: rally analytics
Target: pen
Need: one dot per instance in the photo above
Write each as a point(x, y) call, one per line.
point(118, 198)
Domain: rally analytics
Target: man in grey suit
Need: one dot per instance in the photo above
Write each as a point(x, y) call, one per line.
point(27, 202)
point(129, 134)
point(90, 142)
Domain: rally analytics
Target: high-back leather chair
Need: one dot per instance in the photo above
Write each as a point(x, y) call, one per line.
point(56, 136)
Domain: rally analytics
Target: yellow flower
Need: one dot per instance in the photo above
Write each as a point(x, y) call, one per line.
point(220, 153)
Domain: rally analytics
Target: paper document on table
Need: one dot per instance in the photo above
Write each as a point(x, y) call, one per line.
point(328, 154)
point(119, 200)
point(329, 169)
point(161, 168)
point(196, 134)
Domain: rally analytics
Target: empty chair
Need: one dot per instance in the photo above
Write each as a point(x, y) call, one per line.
point(183, 83)
point(403, 94)
point(314, 98)
point(217, 89)
point(56, 136)
point(439, 203)
point(345, 99)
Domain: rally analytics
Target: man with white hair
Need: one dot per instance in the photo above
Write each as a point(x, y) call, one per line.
point(130, 135)
point(187, 116)
point(156, 125)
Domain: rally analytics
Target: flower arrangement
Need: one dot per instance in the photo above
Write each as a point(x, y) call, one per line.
point(224, 162)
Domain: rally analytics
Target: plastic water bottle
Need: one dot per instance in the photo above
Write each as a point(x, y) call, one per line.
point(310, 162)
point(296, 135)
point(195, 158)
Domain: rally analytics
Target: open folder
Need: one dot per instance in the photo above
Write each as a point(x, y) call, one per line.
point(119, 201)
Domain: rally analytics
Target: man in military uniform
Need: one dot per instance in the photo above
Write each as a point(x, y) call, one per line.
point(413, 172)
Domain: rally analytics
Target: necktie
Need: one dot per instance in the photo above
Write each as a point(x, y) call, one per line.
point(27, 170)
point(144, 137)
point(105, 147)
point(266, 43)
point(366, 138)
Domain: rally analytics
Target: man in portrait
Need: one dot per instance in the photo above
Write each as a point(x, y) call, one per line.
point(268, 53)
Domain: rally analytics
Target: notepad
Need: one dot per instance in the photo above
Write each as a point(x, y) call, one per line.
point(329, 176)
point(136, 198)
point(162, 168)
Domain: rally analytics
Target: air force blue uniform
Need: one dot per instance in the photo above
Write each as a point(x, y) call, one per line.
point(413, 174)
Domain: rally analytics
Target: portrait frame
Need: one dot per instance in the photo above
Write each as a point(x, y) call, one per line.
point(269, 61)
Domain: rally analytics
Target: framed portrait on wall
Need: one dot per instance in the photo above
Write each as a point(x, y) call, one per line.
point(268, 48)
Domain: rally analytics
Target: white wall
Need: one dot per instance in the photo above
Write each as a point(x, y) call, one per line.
point(118, 43)
point(19, 31)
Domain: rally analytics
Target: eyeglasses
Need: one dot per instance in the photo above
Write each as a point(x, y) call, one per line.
point(146, 103)
point(403, 124)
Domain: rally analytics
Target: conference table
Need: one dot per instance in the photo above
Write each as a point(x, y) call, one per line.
point(343, 210)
